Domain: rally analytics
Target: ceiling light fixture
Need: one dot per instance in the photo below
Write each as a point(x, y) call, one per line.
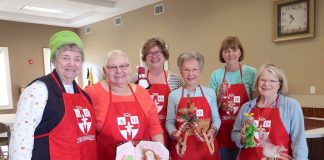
point(44, 10)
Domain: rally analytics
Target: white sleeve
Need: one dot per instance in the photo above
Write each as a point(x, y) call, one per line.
point(30, 110)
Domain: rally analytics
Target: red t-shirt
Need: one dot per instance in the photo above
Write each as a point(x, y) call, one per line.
point(100, 100)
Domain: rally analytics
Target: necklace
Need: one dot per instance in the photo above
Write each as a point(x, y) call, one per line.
point(263, 117)
point(264, 125)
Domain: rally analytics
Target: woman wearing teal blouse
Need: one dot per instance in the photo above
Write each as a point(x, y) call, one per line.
point(233, 85)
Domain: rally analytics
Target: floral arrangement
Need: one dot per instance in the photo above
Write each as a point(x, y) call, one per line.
point(227, 104)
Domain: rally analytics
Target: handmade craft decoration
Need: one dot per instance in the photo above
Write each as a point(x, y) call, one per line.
point(191, 125)
point(144, 150)
point(274, 152)
point(269, 150)
point(150, 155)
point(249, 131)
point(128, 157)
point(142, 78)
point(227, 104)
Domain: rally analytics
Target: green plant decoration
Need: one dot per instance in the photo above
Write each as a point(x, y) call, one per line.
point(249, 131)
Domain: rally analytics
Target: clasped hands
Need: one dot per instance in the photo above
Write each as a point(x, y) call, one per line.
point(211, 132)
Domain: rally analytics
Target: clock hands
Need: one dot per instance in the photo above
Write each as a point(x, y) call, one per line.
point(291, 19)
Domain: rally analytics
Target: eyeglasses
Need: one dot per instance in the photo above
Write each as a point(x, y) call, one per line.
point(114, 68)
point(263, 81)
point(186, 70)
point(157, 53)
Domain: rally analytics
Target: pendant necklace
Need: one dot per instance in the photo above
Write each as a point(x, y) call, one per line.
point(263, 134)
point(261, 129)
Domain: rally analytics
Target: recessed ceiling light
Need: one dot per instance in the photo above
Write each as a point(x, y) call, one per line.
point(44, 10)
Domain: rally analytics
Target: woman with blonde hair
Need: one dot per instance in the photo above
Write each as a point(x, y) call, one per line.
point(277, 120)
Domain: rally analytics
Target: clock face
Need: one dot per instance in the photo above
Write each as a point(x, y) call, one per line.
point(293, 18)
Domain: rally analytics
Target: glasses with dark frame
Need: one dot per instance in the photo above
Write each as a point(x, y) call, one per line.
point(151, 54)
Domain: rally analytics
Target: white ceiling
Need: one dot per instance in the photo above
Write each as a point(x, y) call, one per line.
point(77, 13)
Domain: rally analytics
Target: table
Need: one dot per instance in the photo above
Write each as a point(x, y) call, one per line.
point(315, 137)
point(314, 127)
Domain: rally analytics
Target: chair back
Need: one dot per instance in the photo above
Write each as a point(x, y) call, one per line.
point(4, 140)
point(4, 131)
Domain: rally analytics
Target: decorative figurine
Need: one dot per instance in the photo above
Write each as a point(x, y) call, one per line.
point(142, 78)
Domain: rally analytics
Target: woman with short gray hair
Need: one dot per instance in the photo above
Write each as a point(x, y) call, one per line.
point(192, 119)
point(55, 118)
point(191, 56)
point(124, 111)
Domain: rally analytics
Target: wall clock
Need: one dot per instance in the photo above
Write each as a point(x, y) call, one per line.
point(293, 19)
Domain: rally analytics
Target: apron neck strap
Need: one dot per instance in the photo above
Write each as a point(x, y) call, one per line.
point(276, 101)
point(130, 87)
point(240, 67)
point(59, 84)
point(56, 80)
point(182, 92)
point(165, 76)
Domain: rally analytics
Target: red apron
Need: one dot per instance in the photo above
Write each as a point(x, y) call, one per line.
point(74, 138)
point(236, 95)
point(269, 124)
point(160, 95)
point(125, 121)
point(195, 148)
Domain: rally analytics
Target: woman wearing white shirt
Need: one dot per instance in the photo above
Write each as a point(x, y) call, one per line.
point(55, 118)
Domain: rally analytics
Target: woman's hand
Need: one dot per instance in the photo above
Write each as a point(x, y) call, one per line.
point(222, 91)
point(158, 138)
point(211, 134)
point(223, 87)
point(243, 137)
point(174, 136)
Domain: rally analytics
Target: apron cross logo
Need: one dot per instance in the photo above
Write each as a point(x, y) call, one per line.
point(200, 113)
point(84, 119)
point(263, 129)
point(128, 126)
point(158, 100)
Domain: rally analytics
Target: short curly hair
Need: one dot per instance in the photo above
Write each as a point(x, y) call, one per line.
point(191, 55)
point(152, 42)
